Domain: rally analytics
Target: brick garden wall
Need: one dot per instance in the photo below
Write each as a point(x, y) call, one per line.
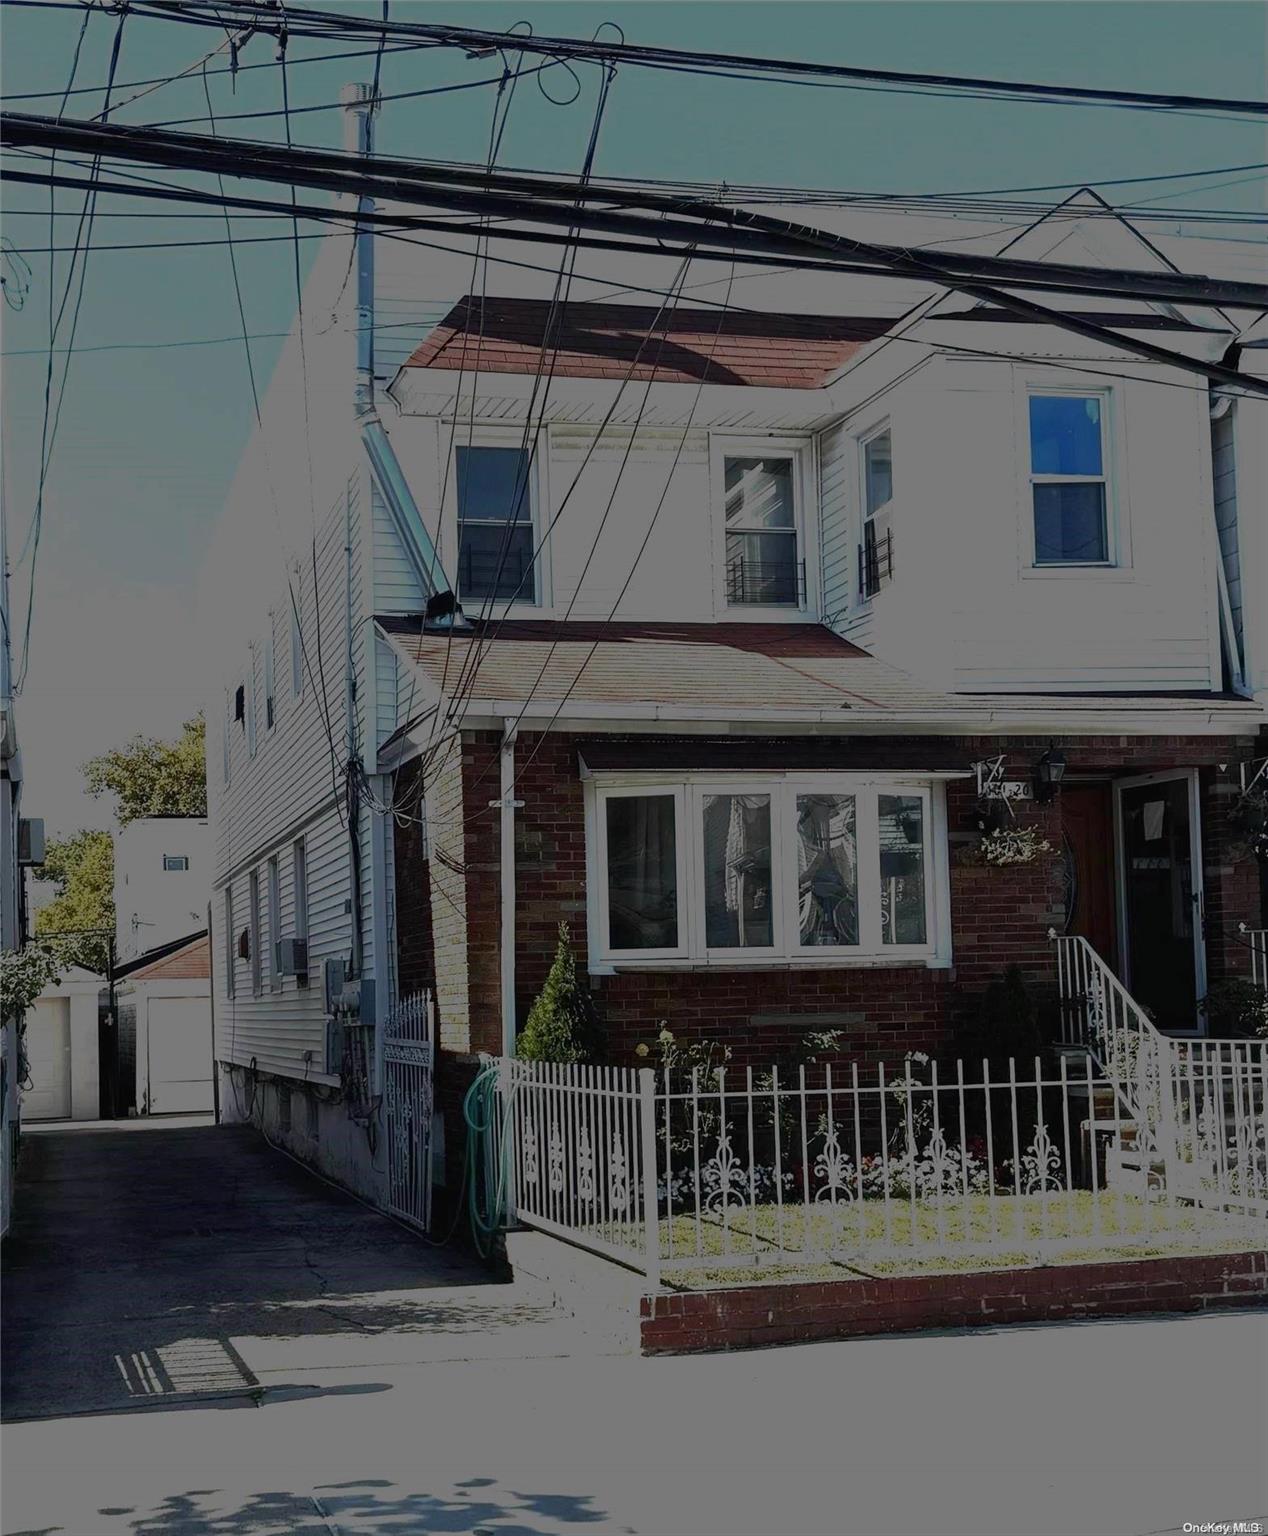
point(999, 916)
point(748, 1316)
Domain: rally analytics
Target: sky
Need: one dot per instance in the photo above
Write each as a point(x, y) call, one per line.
point(157, 407)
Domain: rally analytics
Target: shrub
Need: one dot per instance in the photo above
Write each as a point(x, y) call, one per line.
point(1236, 1007)
point(562, 1026)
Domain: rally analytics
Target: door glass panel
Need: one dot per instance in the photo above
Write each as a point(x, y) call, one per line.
point(902, 839)
point(737, 872)
point(1158, 898)
point(827, 870)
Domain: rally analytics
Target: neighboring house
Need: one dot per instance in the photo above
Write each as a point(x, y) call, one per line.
point(755, 599)
point(162, 881)
point(63, 1072)
point(166, 1055)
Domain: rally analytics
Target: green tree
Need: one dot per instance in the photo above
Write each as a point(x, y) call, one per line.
point(562, 1026)
point(82, 868)
point(151, 777)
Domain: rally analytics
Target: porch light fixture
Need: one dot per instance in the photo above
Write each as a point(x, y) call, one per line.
point(1049, 772)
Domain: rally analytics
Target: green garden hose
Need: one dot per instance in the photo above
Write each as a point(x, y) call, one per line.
point(479, 1109)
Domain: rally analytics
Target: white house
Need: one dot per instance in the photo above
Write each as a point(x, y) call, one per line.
point(162, 881)
point(754, 577)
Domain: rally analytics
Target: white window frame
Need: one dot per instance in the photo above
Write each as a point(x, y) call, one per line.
point(861, 441)
point(175, 863)
point(538, 500)
point(248, 708)
point(692, 951)
point(225, 736)
point(299, 879)
point(270, 679)
point(231, 943)
point(257, 958)
point(1113, 476)
point(297, 641)
point(800, 450)
point(599, 843)
point(275, 922)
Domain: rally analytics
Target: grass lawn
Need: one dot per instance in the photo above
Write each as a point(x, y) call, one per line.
point(868, 1239)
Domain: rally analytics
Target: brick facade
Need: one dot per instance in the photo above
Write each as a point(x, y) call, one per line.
point(999, 916)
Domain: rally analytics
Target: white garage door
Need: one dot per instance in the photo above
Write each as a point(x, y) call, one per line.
point(179, 1057)
point(48, 1059)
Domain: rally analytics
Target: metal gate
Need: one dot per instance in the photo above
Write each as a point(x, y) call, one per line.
point(408, 1063)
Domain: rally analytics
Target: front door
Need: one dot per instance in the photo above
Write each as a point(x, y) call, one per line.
point(1087, 866)
point(1162, 955)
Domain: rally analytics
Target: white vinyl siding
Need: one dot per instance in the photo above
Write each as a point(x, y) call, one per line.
point(275, 921)
point(270, 678)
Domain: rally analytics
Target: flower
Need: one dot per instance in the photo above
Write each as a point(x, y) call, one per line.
point(642, 1049)
point(666, 1036)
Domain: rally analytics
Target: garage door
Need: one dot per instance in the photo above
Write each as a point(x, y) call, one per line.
point(48, 1059)
point(179, 1055)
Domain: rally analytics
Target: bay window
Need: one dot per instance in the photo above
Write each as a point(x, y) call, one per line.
point(811, 868)
point(1068, 479)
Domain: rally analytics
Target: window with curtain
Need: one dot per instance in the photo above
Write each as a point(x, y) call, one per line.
point(827, 870)
point(642, 866)
point(737, 871)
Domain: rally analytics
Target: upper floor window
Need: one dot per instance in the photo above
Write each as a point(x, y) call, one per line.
point(297, 647)
point(270, 680)
point(764, 567)
point(257, 959)
point(876, 551)
point(231, 942)
point(1068, 479)
point(275, 922)
point(224, 739)
point(249, 705)
point(175, 861)
point(495, 525)
point(766, 871)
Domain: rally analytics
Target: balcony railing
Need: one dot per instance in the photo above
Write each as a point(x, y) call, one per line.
point(876, 563)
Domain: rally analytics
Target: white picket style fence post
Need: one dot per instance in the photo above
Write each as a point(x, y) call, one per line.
point(651, 1204)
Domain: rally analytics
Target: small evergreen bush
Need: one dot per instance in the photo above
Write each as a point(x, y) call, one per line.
point(562, 1026)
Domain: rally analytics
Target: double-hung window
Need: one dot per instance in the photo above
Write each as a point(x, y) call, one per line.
point(257, 959)
point(249, 705)
point(495, 525)
point(875, 555)
point(270, 679)
point(1069, 484)
point(810, 868)
point(231, 942)
point(297, 644)
point(275, 923)
point(763, 560)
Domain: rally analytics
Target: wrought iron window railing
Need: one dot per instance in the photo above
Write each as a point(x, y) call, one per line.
point(766, 583)
point(876, 561)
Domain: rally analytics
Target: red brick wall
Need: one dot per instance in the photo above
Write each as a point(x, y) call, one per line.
point(747, 1316)
point(999, 916)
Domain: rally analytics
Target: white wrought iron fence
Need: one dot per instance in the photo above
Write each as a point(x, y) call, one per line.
point(722, 1169)
point(408, 1096)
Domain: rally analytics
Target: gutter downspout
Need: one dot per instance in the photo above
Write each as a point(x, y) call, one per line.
point(507, 805)
point(359, 106)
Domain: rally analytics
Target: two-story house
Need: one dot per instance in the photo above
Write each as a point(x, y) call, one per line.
point(764, 602)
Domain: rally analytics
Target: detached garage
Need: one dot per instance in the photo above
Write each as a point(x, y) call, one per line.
point(166, 996)
point(62, 1077)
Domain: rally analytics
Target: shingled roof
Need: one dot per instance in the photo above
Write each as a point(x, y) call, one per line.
point(507, 335)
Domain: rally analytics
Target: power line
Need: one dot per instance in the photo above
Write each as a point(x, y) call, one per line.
point(307, 22)
point(544, 200)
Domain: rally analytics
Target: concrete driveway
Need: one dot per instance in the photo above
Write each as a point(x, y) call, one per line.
point(151, 1265)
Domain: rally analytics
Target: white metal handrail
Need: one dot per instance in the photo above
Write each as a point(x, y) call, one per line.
point(1199, 1107)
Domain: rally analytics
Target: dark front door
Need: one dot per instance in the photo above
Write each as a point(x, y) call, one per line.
point(1087, 862)
point(1162, 897)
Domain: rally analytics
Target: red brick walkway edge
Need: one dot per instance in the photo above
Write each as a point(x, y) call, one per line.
point(741, 1317)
